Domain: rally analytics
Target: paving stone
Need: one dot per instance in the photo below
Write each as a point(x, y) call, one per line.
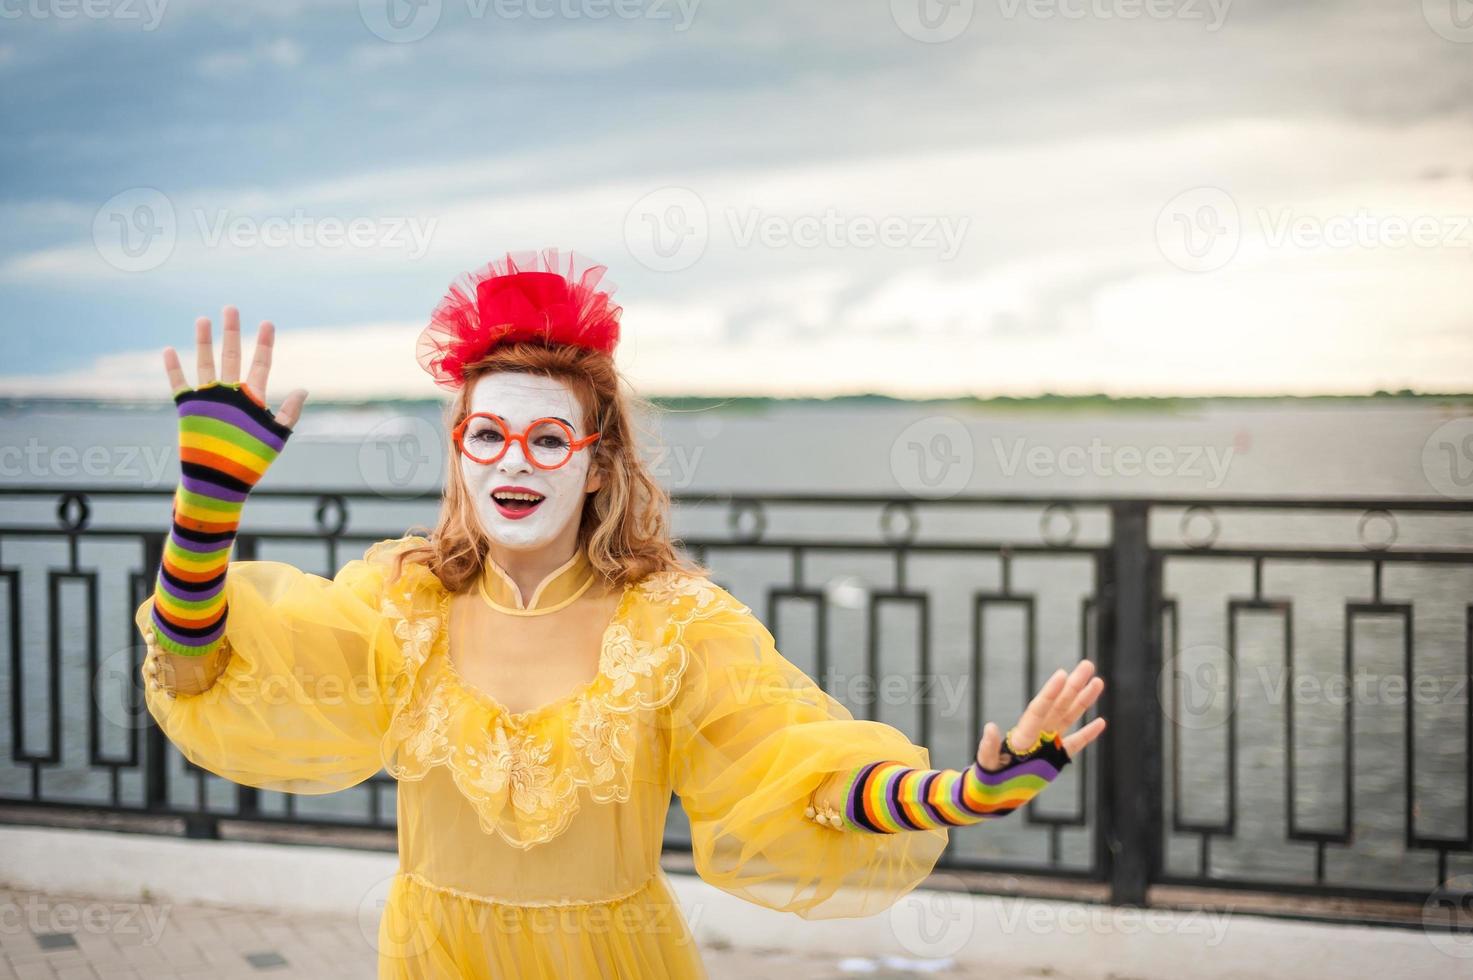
point(116, 971)
point(34, 971)
point(81, 972)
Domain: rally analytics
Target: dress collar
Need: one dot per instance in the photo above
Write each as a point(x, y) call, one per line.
point(561, 586)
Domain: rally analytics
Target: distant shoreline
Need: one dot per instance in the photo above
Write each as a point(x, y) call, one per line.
point(1050, 402)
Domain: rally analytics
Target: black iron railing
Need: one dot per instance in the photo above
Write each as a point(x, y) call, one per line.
point(1222, 767)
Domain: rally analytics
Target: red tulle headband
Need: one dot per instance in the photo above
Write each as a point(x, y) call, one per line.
point(545, 296)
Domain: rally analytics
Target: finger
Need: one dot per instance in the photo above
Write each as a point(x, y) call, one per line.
point(1078, 679)
point(1083, 701)
point(261, 359)
point(230, 348)
point(1031, 723)
point(990, 748)
point(204, 352)
point(175, 371)
point(291, 407)
point(1075, 741)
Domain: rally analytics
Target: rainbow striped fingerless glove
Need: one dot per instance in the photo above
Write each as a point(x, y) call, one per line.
point(227, 439)
point(887, 797)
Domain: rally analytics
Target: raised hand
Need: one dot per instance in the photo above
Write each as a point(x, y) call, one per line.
point(1062, 701)
point(255, 382)
point(887, 797)
point(227, 440)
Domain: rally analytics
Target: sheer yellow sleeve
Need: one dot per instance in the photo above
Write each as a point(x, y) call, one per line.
point(752, 738)
point(301, 706)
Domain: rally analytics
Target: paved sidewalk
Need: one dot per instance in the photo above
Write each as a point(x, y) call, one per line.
point(69, 937)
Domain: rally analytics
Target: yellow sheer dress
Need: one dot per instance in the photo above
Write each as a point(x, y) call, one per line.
point(529, 840)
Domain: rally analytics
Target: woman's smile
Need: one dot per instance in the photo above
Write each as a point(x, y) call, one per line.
point(515, 502)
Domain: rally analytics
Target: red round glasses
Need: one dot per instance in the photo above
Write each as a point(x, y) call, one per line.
point(547, 443)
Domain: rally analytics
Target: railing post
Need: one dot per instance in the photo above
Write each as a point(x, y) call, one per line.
point(155, 746)
point(1130, 662)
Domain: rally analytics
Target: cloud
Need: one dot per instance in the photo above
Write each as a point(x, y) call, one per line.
point(1057, 286)
point(362, 360)
point(279, 53)
point(1059, 171)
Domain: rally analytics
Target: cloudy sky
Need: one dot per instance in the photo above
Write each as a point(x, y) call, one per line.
point(906, 196)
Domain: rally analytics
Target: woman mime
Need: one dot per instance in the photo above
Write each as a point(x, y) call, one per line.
point(541, 670)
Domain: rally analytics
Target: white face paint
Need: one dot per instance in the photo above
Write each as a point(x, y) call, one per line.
point(520, 398)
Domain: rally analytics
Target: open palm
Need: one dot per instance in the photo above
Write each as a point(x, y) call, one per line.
point(1062, 701)
point(255, 382)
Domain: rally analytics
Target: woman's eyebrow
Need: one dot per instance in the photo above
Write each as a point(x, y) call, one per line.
point(558, 417)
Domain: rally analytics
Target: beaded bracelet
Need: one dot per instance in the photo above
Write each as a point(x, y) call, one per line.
point(887, 797)
point(162, 675)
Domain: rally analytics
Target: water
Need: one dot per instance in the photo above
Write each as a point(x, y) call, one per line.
point(930, 453)
point(1214, 448)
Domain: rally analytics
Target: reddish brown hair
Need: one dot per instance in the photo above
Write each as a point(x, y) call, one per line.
point(624, 524)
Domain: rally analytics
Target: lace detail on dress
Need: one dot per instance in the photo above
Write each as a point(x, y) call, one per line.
point(521, 771)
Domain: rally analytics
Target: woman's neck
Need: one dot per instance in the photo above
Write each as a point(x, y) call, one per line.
point(529, 569)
